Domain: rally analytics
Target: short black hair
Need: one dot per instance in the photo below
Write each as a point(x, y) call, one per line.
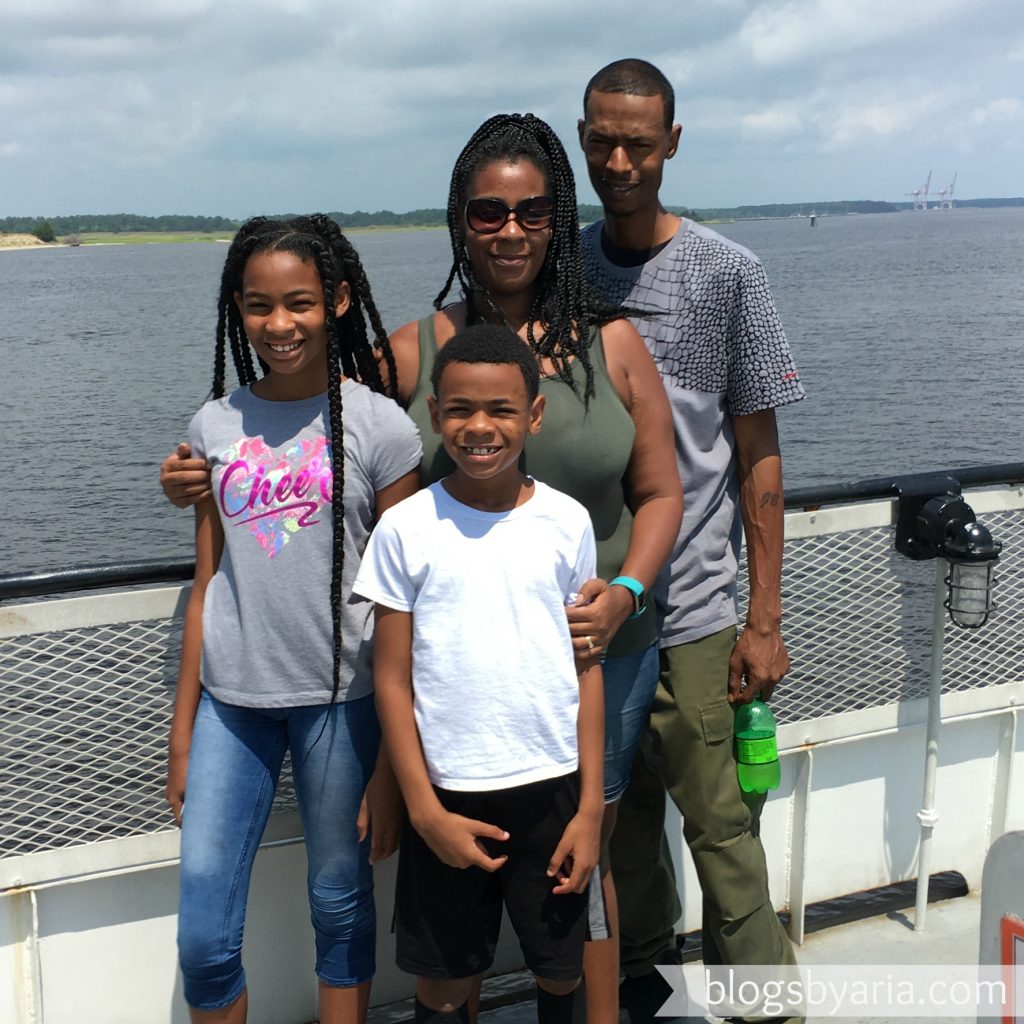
point(489, 343)
point(634, 77)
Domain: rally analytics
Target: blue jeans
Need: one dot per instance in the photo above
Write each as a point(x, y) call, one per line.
point(629, 685)
point(233, 767)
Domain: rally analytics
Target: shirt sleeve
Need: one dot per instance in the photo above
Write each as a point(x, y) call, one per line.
point(398, 449)
point(195, 436)
point(762, 374)
point(586, 558)
point(383, 576)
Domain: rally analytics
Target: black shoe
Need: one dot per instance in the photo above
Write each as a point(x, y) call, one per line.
point(642, 997)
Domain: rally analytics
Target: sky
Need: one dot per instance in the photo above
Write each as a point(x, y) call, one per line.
point(224, 107)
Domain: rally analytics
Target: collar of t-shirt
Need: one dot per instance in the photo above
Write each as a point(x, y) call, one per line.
point(628, 257)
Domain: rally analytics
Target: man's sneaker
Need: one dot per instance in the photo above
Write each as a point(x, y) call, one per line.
point(642, 997)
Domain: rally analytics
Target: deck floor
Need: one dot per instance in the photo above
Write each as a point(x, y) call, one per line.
point(951, 937)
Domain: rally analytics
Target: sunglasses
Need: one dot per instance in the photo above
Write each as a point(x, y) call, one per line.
point(488, 216)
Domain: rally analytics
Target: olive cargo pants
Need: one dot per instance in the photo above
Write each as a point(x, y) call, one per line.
point(688, 751)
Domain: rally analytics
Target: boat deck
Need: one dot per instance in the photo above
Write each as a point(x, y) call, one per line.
point(950, 937)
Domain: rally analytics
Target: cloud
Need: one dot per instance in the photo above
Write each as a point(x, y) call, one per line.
point(778, 34)
point(216, 108)
point(1006, 108)
point(856, 124)
point(773, 123)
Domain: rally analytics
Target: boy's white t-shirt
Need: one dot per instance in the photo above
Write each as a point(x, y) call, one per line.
point(496, 693)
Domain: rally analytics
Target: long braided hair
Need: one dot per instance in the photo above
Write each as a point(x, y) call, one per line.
point(316, 240)
point(563, 304)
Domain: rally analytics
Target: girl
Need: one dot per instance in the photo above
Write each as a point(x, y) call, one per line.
point(607, 438)
point(269, 663)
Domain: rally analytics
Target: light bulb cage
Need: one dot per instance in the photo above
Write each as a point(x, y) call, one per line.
point(961, 602)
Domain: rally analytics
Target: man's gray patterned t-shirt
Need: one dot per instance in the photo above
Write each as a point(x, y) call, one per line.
point(720, 348)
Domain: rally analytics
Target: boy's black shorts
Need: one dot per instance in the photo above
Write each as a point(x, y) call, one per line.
point(447, 919)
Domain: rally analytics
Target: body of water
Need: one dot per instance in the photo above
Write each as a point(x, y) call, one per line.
point(907, 328)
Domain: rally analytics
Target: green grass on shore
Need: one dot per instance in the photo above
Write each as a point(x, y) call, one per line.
point(148, 237)
point(151, 237)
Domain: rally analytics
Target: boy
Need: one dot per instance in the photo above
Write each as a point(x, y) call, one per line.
point(495, 736)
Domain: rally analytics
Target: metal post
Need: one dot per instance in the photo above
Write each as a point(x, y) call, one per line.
point(28, 989)
point(927, 815)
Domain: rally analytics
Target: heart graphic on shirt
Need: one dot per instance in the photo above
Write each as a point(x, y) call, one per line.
point(275, 494)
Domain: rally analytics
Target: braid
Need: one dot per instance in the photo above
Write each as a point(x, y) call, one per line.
point(563, 304)
point(349, 350)
point(339, 360)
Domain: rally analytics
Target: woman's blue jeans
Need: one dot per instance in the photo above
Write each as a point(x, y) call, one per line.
point(233, 768)
point(629, 684)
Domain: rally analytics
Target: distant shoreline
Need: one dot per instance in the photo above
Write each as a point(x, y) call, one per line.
point(16, 241)
point(13, 241)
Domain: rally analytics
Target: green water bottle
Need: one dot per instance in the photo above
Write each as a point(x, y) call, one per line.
point(757, 753)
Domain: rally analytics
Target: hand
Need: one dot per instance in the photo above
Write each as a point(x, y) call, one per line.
point(458, 841)
point(174, 793)
point(598, 613)
point(759, 660)
point(577, 854)
point(381, 814)
point(185, 481)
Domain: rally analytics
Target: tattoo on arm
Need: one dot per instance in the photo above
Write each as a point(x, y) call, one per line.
point(771, 498)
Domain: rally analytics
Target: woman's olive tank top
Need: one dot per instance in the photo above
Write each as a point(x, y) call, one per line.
point(581, 449)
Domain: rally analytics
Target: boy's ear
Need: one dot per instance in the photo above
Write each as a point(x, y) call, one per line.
point(537, 413)
point(342, 299)
point(435, 413)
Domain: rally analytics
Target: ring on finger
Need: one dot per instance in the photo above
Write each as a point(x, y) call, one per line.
point(590, 644)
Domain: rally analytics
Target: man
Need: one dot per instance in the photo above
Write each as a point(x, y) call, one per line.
point(719, 346)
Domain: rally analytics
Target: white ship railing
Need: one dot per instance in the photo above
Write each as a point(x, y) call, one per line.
point(87, 686)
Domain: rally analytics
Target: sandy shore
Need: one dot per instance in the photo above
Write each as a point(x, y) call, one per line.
point(26, 242)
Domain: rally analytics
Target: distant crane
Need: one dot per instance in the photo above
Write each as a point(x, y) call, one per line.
point(920, 195)
point(946, 195)
point(948, 200)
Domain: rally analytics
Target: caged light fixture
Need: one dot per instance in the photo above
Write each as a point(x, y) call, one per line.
point(944, 526)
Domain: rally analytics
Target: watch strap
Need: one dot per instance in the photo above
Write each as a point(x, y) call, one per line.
point(636, 589)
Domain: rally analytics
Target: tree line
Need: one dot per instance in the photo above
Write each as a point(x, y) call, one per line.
point(80, 224)
point(50, 228)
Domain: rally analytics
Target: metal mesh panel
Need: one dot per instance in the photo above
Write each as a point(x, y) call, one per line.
point(85, 715)
point(859, 623)
point(83, 735)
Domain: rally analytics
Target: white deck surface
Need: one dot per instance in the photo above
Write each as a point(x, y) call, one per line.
point(950, 937)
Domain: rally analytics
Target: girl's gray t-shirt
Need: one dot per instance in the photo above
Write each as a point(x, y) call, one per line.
point(267, 638)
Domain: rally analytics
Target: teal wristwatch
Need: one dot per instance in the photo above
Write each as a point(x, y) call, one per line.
point(636, 589)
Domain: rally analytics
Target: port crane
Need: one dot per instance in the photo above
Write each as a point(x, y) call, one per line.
point(920, 195)
point(946, 194)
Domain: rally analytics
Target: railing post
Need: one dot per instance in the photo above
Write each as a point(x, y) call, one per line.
point(927, 815)
point(799, 832)
point(28, 995)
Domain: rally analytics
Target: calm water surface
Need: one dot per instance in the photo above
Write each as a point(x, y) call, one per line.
point(907, 329)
